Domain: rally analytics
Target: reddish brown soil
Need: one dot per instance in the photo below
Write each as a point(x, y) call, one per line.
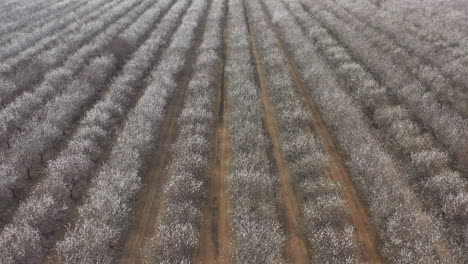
point(338, 171)
point(215, 238)
point(296, 249)
point(149, 204)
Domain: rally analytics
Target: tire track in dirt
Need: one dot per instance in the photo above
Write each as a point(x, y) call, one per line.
point(149, 202)
point(215, 240)
point(337, 170)
point(295, 248)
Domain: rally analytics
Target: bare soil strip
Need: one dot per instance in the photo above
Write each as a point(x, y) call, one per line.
point(296, 249)
point(215, 238)
point(149, 202)
point(337, 171)
point(441, 247)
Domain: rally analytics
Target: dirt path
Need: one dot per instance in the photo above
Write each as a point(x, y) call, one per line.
point(215, 230)
point(296, 249)
point(149, 203)
point(338, 171)
point(441, 247)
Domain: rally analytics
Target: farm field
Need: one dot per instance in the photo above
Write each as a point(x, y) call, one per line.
point(233, 131)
